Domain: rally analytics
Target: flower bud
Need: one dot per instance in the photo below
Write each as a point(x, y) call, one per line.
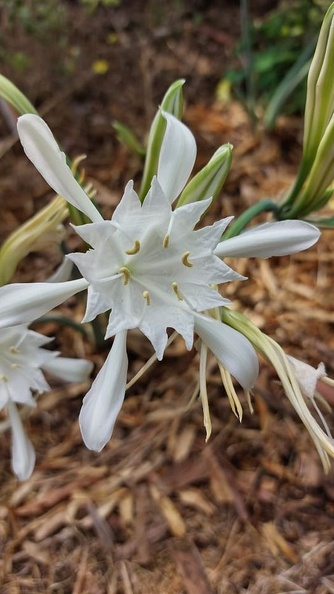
point(209, 181)
point(36, 233)
point(316, 171)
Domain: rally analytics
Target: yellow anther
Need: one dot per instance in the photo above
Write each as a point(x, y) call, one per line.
point(14, 350)
point(15, 365)
point(135, 249)
point(3, 378)
point(176, 291)
point(126, 274)
point(185, 260)
point(165, 242)
point(147, 296)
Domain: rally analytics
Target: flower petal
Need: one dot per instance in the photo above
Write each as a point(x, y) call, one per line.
point(271, 239)
point(69, 369)
point(103, 402)
point(21, 303)
point(231, 349)
point(23, 453)
point(43, 151)
point(63, 272)
point(307, 376)
point(177, 157)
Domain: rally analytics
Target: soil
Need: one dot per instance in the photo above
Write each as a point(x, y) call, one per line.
point(159, 510)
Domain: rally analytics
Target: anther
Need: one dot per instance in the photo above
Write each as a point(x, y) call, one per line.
point(14, 350)
point(176, 291)
point(126, 274)
point(165, 242)
point(185, 260)
point(147, 296)
point(3, 378)
point(15, 365)
point(135, 248)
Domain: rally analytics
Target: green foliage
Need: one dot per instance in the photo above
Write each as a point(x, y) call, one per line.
point(269, 51)
point(92, 5)
point(37, 18)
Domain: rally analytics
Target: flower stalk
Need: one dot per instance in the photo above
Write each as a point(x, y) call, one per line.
point(293, 388)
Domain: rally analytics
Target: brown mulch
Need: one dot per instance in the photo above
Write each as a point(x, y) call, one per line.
point(159, 510)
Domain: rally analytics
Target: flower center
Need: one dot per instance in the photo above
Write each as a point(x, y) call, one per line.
point(150, 265)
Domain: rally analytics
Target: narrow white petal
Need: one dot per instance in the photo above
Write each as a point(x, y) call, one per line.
point(307, 376)
point(43, 151)
point(231, 349)
point(271, 239)
point(104, 400)
point(68, 369)
point(63, 272)
point(23, 453)
point(177, 157)
point(21, 303)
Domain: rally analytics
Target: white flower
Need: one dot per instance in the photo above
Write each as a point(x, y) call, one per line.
point(22, 362)
point(148, 266)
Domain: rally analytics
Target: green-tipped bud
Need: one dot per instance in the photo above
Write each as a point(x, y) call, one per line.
point(127, 137)
point(35, 234)
point(172, 103)
point(315, 193)
point(209, 181)
point(305, 195)
point(320, 88)
point(10, 93)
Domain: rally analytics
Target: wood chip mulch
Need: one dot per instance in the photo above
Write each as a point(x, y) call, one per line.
point(159, 510)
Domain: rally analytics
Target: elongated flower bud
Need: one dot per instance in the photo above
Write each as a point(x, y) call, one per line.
point(209, 181)
point(320, 88)
point(42, 229)
point(316, 171)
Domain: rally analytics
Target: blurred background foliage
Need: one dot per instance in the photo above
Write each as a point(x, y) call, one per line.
point(273, 57)
point(266, 70)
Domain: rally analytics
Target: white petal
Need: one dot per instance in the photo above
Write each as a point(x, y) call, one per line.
point(43, 151)
point(104, 400)
point(24, 302)
point(177, 157)
point(68, 369)
point(270, 239)
point(231, 349)
point(23, 453)
point(63, 272)
point(307, 376)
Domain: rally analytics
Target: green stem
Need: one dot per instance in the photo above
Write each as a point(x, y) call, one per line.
point(251, 212)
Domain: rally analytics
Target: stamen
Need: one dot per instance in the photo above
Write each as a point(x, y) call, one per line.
point(126, 274)
point(135, 248)
point(15, 365)
point(14, 350)
point(3, 378)
point(147, 296)
point(176, 291)
point(185, 260)
point(165, 242)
